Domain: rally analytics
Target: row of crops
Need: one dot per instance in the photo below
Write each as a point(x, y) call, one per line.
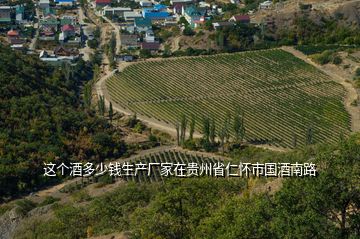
point(280, 95)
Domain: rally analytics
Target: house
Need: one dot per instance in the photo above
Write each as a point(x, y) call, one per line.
point(145, 3)
point(102, 3)
point(55, 60)
point(19, 11)
point(68, 20)
point(5, 16)
point(194, 16)
point(14, 38)
point(142, 24)
point(265, 5)
point(129, 41)
point(130, 29)
point(131, 16)
point(149, 36)
point(49, 22)
point(243, 19)
point(152, 46)
point(157, 12)
point(62, 51)
point(49, 12)
point(44, 4)
point(220, 25)
point(68, 3)
point(68, 31)
point(126, 58)
point(177, 8)
point(173, 2)
point(115, 11)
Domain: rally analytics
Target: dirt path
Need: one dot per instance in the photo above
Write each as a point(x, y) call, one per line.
point(339, 77)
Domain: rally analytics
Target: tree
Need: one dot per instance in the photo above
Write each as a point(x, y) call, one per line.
point(111, 112)
point(192, 127)
point(145, 53)
point(309, 136)
point(183, 21)
point(212, 133)
point(239, 127)
point(177, 128)
point(183, 125)
point(188, 31)
point(87, 95)
point(294, 140)
point(206, 129)
point(222, 135)
point(227, 126)
point(101, 105)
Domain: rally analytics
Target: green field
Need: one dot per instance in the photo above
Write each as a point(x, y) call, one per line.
point(281, 96)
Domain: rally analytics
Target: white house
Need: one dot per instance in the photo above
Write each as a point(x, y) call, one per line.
point(149, 36)
point(173, 2)
point(265, 5)
point(145, 3)
point(118, 11)
point(130, 16)
point(44, 4)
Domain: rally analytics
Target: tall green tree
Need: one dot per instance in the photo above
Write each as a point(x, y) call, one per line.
point(192, 127)
point(111, 112)
point(206, 129)
point(212, 133)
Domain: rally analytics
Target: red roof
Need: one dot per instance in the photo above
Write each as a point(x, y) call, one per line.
point(67, 27)
point(178, 6)
point(12, 33)
point(242, 18)
point(103, 1)
point(150, 45)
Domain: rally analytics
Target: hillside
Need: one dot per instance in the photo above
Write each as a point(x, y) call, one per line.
point(42, 120)
point(210, 207)
point(280, 96)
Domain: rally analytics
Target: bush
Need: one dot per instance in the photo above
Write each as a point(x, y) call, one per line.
point(24, 206)
point(106, 179)
point(93, 43)
point(323, 58)
point(81, 196)
point(190, 144)
point(337, 60)
point(139, 127)
point(48, 200)
point(188, 31)
point(357, 72)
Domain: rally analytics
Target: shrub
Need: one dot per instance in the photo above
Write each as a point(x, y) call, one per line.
point(337, 60)
point(81, 196)
point(188, 31)
point(48, 200)
point(24, 206)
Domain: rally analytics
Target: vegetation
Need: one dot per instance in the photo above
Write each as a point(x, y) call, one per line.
point(43, 120)
point(279, 94)
point(325, 206)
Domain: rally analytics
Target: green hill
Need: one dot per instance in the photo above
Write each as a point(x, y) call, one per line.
point(42, 120)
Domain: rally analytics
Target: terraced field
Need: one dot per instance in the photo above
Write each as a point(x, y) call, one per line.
point(281, 95)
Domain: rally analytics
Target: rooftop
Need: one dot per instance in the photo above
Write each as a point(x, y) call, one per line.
point(241, 17)
point(150, 45)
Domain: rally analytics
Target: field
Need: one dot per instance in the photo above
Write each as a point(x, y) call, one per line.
point(281, 96)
